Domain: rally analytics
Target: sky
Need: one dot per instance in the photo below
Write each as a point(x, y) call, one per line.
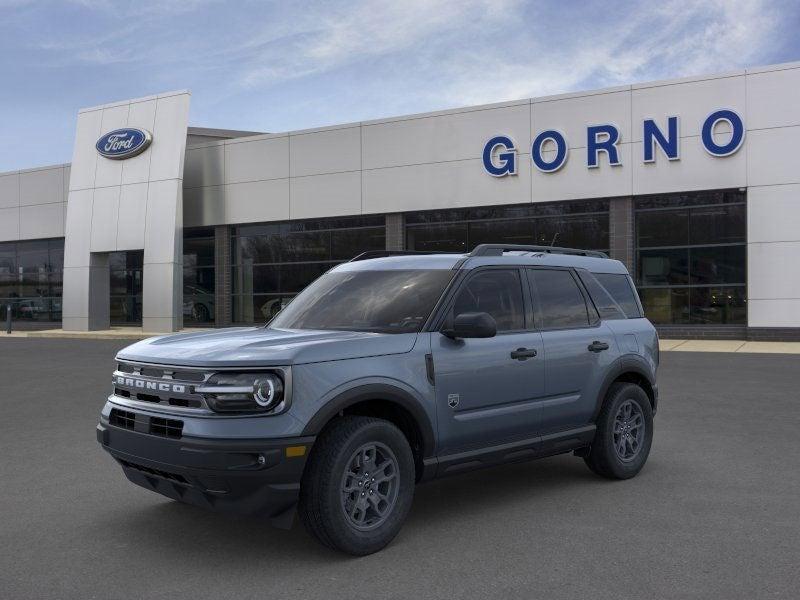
point(292, 64)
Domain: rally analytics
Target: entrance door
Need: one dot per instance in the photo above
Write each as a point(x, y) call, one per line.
point(126, 287)
point(484, 395)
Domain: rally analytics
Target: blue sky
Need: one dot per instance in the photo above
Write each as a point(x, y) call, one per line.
point(276, 66)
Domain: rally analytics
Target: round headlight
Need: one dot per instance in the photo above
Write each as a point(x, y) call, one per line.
point(267, 391)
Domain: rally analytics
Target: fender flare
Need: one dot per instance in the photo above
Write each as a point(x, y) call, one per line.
point(376, 391)
point(631, 363)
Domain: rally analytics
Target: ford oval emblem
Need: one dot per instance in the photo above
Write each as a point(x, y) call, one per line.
point(123, 143)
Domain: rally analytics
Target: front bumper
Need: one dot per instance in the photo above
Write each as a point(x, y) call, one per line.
point(251, 477)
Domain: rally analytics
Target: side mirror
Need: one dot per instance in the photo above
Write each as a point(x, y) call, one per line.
point(472, 325)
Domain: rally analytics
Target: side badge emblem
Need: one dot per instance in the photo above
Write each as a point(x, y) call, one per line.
point(452, 400)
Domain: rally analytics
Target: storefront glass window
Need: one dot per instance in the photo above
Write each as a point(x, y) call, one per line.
point(691, 257)
point(31, 280)
point(271, 263)
point(199, 280)
point(126, 287)
point(573, 224)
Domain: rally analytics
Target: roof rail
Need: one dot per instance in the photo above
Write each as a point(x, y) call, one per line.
point(499, 249)
point(384, 253)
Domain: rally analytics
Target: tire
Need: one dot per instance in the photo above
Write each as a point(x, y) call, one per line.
point(622, 457)
point(333, 477)
point(201, 313)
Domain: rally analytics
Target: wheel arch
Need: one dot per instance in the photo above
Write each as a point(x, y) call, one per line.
point(387, 402)
point(631, 369)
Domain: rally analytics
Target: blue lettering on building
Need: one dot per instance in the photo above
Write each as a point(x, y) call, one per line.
point(562, 149)
point(737, 136)
point(602, 138)
point(506, 160)
point(500, 152)
point(652, 135)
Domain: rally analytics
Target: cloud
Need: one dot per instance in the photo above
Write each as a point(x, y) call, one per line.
point(275, 65)
point(325, 39)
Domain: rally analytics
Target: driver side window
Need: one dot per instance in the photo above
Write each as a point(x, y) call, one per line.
point(494, 291)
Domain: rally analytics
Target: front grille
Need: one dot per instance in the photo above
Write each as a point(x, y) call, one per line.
point(171, 428)
point(157, 472)
point(165, 386)
point(122, 418)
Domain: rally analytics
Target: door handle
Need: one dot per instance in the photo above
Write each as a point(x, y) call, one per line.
point(523, 353)
point(596, 346)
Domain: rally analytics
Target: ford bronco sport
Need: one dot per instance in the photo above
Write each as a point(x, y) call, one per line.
point(388, 370)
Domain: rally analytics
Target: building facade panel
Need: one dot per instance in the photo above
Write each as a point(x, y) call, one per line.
point(256, 201)
point(696, 170)
point(41, 221)
point(574, 180)
point(204, 206)
point(9, 190)
point(131, 216)
point(141, 114)
point(256, 160)
point(109, 172)
point(9, 224)
point(773, 156)
point(692, 101)
point(171, 118)
point(441, 185)
point(84, 159)
point(42, 186)
point(570, 115)
point(325, 195)
point(771, 266)
point(105, 219)
point(773, 213)
point(443, 138)
point(773, 99)
point(205, 166)
point(326, 151)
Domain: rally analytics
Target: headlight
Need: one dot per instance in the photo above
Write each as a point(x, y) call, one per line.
point(243, 392)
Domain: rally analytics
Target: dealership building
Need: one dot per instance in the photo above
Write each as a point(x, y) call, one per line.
point(693, 183)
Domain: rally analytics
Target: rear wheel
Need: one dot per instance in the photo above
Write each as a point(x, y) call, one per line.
point(357, 488)
point(624, 433)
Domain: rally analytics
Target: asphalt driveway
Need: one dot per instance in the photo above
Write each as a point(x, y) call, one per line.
point(714, 514)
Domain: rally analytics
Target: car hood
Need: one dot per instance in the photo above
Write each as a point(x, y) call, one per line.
point(258, 346)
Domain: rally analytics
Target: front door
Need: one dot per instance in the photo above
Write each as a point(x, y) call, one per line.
point(487, 389)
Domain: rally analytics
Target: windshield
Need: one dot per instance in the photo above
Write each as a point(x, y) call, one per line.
point(392, 301)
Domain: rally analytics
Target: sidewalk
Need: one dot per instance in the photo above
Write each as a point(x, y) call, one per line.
point(115, 333)
point(729, 346)
point(136, 333)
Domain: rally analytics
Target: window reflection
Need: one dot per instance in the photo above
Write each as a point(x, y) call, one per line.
point(31, 275)
point(273, 262)
point(574, 224)
point(691, 257)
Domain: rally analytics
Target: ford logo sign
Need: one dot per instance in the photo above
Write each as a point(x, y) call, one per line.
point(123, 143)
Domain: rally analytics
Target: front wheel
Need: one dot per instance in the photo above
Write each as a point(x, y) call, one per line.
point(624, 433)
point(357, 488)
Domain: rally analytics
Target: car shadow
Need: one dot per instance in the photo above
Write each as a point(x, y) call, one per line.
point(202, 536)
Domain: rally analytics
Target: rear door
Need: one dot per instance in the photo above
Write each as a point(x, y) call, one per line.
point(578, 348)
point(487, 389)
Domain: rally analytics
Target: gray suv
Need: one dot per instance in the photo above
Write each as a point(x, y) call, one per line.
point(389, 370)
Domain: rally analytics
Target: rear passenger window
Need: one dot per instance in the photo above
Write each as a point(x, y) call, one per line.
point(621, 290)
point(560, 301)
point(497, 292)
point(605, 304)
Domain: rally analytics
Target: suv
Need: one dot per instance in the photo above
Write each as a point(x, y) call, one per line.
point(388, 370)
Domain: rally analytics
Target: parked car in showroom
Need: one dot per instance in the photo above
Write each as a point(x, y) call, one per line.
point(198, 304)
point(389, 370)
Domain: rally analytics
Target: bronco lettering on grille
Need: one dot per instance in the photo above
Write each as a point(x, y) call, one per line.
point(175, 388)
